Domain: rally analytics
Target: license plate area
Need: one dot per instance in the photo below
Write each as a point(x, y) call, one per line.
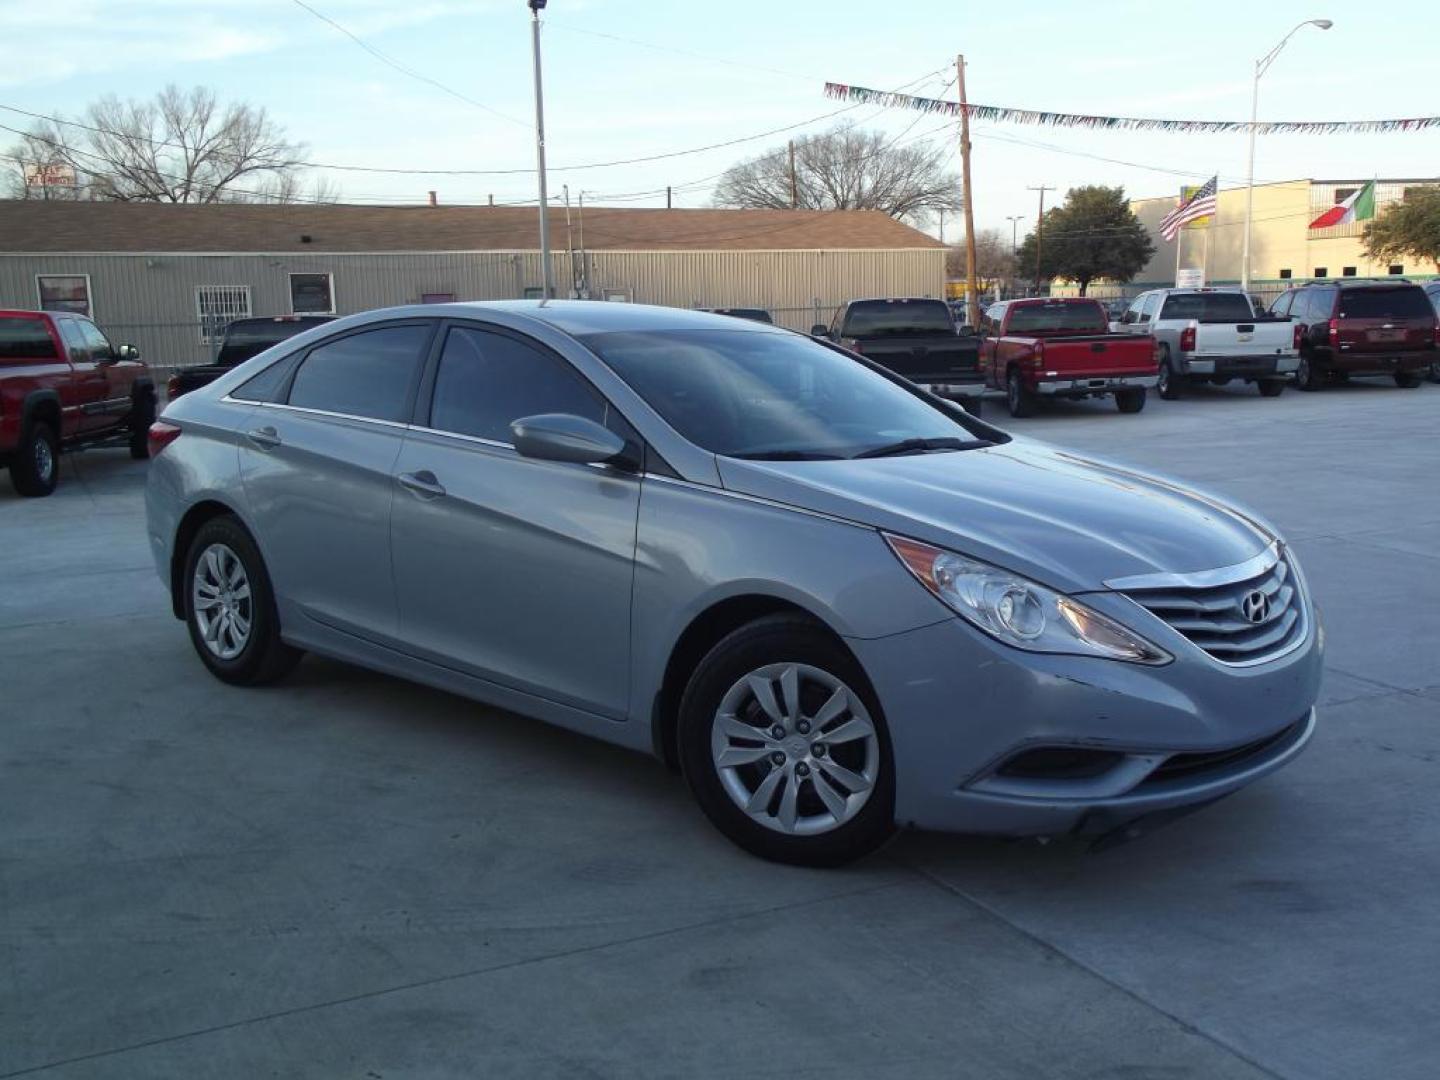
point(1385, 335)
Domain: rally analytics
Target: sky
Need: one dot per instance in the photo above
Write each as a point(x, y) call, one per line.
point(626, 79)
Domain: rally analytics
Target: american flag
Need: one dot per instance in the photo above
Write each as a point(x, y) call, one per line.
point(1198, 205)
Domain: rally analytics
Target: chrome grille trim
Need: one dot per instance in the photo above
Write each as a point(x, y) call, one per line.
point(1206, 609)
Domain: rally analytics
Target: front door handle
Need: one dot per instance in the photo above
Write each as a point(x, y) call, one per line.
point(266, 438)
point(422, 483)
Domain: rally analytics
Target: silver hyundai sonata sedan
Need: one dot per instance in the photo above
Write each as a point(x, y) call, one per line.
point(837, 604)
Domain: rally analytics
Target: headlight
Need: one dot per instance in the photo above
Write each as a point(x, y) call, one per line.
point(1018, 611)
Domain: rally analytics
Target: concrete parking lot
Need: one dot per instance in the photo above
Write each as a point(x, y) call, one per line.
point(349, 876)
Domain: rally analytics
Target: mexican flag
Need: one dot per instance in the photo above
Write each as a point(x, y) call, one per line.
point(1358, 207)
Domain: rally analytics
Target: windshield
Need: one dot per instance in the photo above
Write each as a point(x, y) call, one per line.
point(1402, 303)
point(1081, 317)
point(1209, 307)
point(770, 395)
point(251, 337)
point(897, 318)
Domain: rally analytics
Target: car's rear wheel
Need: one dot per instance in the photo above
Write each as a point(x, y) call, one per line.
point(1271, 387)
point(1019, 400)
point(230, 607)
point(35, 466)
point(142, 415)
point(1130, 401)
point(1435, 371)
point(1306, 377)
point(1169, 384)
point(785, 748)
point(1408, 380)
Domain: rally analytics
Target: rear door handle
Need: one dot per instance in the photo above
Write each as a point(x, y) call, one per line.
point(422, 483)
point(266, 438)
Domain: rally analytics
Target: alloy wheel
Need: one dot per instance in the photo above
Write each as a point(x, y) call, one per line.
point(795, 749)
point(222, 602)
point(44, 461)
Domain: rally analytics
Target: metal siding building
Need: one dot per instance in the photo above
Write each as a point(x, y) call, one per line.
point(145, 266)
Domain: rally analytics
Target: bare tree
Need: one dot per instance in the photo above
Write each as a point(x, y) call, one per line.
point(993, 258)
point(845, 168)
point(182, 147)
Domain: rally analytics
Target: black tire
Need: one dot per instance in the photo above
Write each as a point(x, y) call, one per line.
point(1130, 401)
point(1435, 371)
point(1306, 377)
point(1019, 400)
point(781, 639)
point(264, 657)
point(1407, 380)
point(142, 415)
point(35, 465)
point(1171, 384)
point(1270, 387)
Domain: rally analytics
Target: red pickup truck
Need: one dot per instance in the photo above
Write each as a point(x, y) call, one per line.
point(1062, 347)
point(63, 384)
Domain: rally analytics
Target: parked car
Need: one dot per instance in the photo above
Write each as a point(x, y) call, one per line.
point(63, 385)
point(1213, 334)
point(1432, 290)
point(915, 338)
point(754, 314)
point(1115, 312)
point(241, 340)
point(835, 601)
point(1361, 327)
point(1062, 347)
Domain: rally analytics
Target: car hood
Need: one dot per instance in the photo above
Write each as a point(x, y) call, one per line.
point(1066, 520)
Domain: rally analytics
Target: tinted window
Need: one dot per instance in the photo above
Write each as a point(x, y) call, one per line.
point(777, 395)
point(365, 374)
point(96, 343)
point(1322, 303)
point(25, 339)
point(1081, 317)
point(1401, 302)
point(268, 384)
point(74, 340)
point(245, 338)
point(1147, 308)
point(897, 318)
point(1213, 307)
point(1281, 306)
point(485, 380)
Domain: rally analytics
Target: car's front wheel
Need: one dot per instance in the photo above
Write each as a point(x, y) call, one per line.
point(1169, 384)
point(785, 748)
point(230, 607)
point(1435, 371)
point(1271, 387)
point(35, 467)
point(1306, 376)
point(142, 415)
point(1407, 380)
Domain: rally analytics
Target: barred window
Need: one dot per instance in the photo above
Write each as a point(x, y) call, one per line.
point(217, 306)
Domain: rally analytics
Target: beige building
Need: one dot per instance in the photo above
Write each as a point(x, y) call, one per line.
point(1283, 248)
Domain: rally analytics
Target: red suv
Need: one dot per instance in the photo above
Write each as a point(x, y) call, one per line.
point(1346, 328)
point(63, 384)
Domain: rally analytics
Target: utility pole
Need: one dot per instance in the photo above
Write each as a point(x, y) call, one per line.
point(1039, 231)
point(584, 259)
point(667, 196)
point(972, 288)
point(547, 273)
point(942, 225)
point(794, 188)
point(569, 238)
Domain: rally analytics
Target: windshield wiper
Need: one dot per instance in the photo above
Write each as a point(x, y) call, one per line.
point(786, 455)
point(921, 446)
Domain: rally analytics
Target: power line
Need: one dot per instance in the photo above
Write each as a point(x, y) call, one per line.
point(391, 62)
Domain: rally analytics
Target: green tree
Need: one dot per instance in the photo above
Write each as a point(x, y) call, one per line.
point(1092, 235)
point(1410, 227)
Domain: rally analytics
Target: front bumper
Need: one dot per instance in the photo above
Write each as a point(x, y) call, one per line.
point(1247, 367)
point(1102, 384)
point(961, 708)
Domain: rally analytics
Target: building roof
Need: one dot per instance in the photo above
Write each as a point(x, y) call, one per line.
point(39, 226)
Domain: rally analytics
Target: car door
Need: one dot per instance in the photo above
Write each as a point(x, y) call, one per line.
point(115, 378)
point(317, 462)
point(88, 386)
point(509, 568)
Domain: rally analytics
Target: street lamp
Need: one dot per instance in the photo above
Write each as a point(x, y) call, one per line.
point(547, 274)
point(1012, 219)
point(1261, 66)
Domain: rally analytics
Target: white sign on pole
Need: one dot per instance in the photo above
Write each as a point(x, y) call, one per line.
point(1192, 277)
point(51, 175)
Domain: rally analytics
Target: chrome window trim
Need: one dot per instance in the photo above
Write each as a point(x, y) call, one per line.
point(316, 412)
point(1201, 579)
point(479, 439)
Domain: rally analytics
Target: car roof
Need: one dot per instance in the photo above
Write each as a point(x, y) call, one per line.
point(596, 316)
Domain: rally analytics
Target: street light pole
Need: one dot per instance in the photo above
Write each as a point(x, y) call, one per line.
point(546, 271)
point(1261, 66)
point(1014, 234)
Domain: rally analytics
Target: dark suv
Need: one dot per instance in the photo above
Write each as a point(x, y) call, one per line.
point(1345, 328)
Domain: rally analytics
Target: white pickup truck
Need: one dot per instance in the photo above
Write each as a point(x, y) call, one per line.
point(1215, 335)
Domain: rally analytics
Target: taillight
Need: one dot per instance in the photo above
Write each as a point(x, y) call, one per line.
point(172, 388)
point(1334, 331)
point(1039, 352)
point(161, 435)
point(1187, 339)
point(1298, 335)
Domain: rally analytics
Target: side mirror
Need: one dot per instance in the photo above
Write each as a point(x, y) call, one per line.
point(566, 437)
point(819, 330)
point(127, 352)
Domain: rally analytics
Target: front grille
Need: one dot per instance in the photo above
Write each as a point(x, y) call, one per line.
point(1238, 622)
point(1192, 765)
